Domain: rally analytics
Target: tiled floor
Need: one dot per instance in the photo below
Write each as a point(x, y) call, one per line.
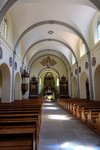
point(61, 131)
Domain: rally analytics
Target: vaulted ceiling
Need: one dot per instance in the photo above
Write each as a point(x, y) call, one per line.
point(52, 26)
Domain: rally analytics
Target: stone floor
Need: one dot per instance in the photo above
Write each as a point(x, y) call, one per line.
point(61, 131)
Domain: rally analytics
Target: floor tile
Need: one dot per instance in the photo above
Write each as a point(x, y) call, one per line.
point(61, 131)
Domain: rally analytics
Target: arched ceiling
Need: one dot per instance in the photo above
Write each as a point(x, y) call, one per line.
point(48, 63)
point(46, 53)
point(33, 19)
point(45, 71)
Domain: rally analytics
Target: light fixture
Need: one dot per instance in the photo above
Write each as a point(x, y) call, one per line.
point(50, 32)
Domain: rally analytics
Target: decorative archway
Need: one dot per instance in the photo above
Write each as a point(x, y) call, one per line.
point(43, 73)
point(17, 86)
point(5, 83)
point(74, 88)
point(97, 83)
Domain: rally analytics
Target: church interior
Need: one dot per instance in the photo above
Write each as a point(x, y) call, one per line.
point(49, 74)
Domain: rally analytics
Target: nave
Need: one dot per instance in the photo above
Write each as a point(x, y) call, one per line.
point(61, 131)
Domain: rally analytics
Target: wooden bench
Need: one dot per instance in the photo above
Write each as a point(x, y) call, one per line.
point(21, 125)
point(18, 121)
point(82, 111)
point(91, 117)
point(85, 110)
point(98, 124)
point(17, 138)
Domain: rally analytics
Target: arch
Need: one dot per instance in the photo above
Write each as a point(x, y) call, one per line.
point(46, 40)
point(17, 86)
point(97, 83)
point(5, 8)
point(10, 3)
point(48, 81)
point(67, 26)
point(76, 31)
point(44, 71)
point(67, 62)
point(5, 85)
point(74, 87)
point(84, 86)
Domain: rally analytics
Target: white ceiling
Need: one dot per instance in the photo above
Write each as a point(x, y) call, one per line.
point(35, 16)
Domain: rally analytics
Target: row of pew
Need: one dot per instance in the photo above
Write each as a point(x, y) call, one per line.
point(20, 123)
point(87, 111)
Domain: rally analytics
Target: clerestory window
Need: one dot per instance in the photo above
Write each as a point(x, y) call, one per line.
point(82, 50)
point(4, 27)
point(98, 29)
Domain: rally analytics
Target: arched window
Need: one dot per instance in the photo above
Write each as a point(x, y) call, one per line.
point(73, 59)
point(98, 29)
point(57, 81)
point(40, 82)
point(4, 27)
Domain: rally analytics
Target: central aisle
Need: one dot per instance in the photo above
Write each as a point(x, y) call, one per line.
point(61, 131)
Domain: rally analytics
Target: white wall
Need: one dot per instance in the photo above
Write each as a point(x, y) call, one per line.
point(7, 53)
point(74, 88)
point(83, 79)
point(6, 80)
point(97, 83)
point(17, 86)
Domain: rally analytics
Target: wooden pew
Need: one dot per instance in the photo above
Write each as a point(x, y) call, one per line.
point(19, 119)
point(20, 124)
point(20, 138)
point(82, 111)
point(91, 117)
point(85, 110)
point(98, 124)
